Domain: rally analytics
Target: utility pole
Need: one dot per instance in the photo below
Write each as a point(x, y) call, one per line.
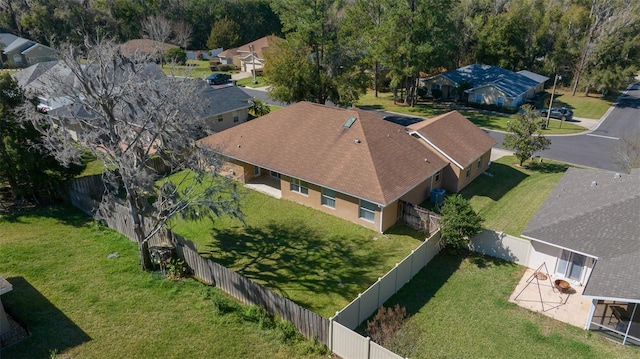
point(253, 58)
point(555, 81)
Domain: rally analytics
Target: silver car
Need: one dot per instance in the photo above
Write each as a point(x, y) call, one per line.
point(560, 113)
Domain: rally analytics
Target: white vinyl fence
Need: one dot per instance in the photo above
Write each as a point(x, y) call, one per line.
point(368, 302)
point(502, 245)
point(351, 345)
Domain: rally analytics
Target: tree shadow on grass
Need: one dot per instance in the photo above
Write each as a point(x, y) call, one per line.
point(548, 168)
point(429, 280)
point(292, 258)
point(501, 180)
point(64, 213)
point(51, 330)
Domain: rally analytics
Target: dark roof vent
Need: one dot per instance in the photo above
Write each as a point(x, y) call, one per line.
point(349, 122)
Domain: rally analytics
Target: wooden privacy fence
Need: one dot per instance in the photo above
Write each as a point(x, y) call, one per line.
point(336, 333)
point(418, 218)
point(310, 324)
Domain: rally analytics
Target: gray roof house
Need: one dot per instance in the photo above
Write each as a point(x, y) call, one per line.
point(219, 107)
point(23, 52)
point(590, 223)
point(489, 84)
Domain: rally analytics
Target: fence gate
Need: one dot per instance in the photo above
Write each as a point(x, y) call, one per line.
point(418, 218)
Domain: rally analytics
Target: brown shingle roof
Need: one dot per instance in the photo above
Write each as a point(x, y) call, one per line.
point(260, 45)
point(309, 141)
point(456, 136)
point(146, 46)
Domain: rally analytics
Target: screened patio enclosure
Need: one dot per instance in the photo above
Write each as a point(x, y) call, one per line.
point(619, 321)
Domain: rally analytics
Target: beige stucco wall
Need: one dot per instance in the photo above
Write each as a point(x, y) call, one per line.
point(455, 179)
point(419, 193)
point(40, 54)
point(239, 171)
point(447, 86)
point(347, 207)
point(490, 96)
point(227, 120)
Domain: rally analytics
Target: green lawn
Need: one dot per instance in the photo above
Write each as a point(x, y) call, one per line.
point(457, 308)
point(78, 303)
point(248, 82)
point(315, 259)
point(592, 106)
point(510, 198)
point(485, 119)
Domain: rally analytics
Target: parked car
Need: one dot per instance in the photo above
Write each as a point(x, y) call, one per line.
point(560, 113)
point(218, 79)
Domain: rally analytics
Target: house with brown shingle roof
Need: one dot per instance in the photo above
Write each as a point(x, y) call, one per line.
point(347, 162)
point(458, 141)
point(247, 56)
point(145, 48)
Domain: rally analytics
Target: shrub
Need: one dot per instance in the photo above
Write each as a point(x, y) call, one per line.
point(491, 107)
point(222, 304)
point(286, 332)
point(386, 323)
point(224, 67)
point(259, 315)
point(422, 92)
point(176, 55)
point(177, 269)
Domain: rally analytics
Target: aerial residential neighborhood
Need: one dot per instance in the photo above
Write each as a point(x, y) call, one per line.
point(283, 179)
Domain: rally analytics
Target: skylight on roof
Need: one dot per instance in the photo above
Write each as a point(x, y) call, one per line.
point(349, 122)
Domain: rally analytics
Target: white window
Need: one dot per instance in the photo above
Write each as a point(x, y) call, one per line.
point(367, 211)
point(274, 174)
point(479, 98)
point(328, 198)
point(299, 186)
point(435, 86)
point(500, 101)
point(236, 116)
point(220, 118)
point(438, 176)
point(256, 171)
point(468, 169)
point(480, 163)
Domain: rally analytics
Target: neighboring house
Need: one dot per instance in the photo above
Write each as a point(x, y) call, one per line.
point(489, 85)
point(588, 233)
point(22, 52)
point(347, 162)
point(467, 148)
point(206, 54)
point(145, 48)
point(222, 107)
point(249, 55)
point(218, 107)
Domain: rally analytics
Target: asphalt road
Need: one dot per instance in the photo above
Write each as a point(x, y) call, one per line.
point(594, 149)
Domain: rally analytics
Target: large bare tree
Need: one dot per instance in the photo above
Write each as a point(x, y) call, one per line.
point(183, 33)
point(127, 113)
point(159, 29)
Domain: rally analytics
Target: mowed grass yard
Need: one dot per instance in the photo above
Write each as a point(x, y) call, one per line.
point(80, 304)
point(490, 120)
point(457, 307)
point(509, 198)
point(315, 259)
point(592, 106)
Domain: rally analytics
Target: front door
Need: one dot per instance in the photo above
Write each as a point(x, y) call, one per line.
point(571, 265)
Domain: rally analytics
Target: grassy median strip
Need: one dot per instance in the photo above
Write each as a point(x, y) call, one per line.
point(80, 304)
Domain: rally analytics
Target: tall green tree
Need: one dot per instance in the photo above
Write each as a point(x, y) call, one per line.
point(330, 68)
point(25, 165)
point(524, 136)
point(225, 33)
point(459, 222)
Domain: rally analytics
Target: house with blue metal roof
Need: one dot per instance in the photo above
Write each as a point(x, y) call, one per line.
point(486, 84)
